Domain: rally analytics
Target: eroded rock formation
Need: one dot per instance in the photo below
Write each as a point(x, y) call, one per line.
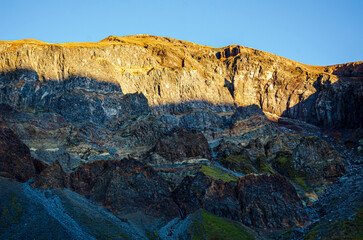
point(203, 192)
point(270, 201)
point(154, 129)
point(176, 76)
point(15, 159)
point(126, 187)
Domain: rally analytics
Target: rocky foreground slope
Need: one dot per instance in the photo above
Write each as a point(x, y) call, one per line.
point(144, 137)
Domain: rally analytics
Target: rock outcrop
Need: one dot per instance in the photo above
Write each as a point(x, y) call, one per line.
point(203, 192)
point(176, 76)
point(270, 201)
point(76, 99)
point(181, 144)
point(314, 160)
point(15, 159)
point(126, 187)
point(52, 177)
point(254, 144)
point(29, 213)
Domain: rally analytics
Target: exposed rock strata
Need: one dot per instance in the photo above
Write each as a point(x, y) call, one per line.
point(215, 196)
point(270, 201)
point(52, 177)
point(76, 99)
point(256, 145)
point(175, 75)
point(126, 187)
point(180, 144)
point(83, 107)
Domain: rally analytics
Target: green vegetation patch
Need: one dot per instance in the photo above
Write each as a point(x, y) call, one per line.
point(301, 182)
point(351, 228)
point(11, 212)
point(284, 165)
point(217, 173)
point(208, 226)
point(238, 163)
point(152, 235)
point(263, 166)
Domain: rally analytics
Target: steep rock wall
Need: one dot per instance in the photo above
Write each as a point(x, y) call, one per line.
point(178, 77)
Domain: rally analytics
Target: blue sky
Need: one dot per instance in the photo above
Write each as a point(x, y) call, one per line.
point(318, 32)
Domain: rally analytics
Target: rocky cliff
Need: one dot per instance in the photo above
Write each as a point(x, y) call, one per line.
point(168, 139)
point(177, 77)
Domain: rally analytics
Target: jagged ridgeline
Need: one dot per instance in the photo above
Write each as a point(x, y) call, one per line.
point(146, 137)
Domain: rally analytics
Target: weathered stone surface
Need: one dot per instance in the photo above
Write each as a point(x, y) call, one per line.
point(52, 137)
point(82, 102)
point(126, 187)
point(257, 145)
point(76, 99)
point(39, 165)
point(247, 112)
point(52, 177)
point(339, 211)
point(15, 159)
point(215, 196)
point(337, 104)
point(181, 144)
point(29, 213)
point(202, 120)
point(176, 75)
point(316, 161)
point(145, 130)
point(270, 202)
point(353, 69)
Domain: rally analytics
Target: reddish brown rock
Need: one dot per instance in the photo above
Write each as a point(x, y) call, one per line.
point(39, 165)
point(270, 202)
point(52, 177)
point(333, 171)
point(215, 196)
point(125, 187)
point(181, 144)
point(15, 159)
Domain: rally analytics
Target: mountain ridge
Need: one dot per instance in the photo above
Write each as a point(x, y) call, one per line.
point(174, 72)
point(116, 40)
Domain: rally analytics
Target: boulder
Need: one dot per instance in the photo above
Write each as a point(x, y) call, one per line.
point(180, 144)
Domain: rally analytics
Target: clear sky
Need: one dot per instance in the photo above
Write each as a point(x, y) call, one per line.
point(317, 32)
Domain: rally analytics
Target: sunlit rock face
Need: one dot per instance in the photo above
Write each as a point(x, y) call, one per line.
point(177, 77)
